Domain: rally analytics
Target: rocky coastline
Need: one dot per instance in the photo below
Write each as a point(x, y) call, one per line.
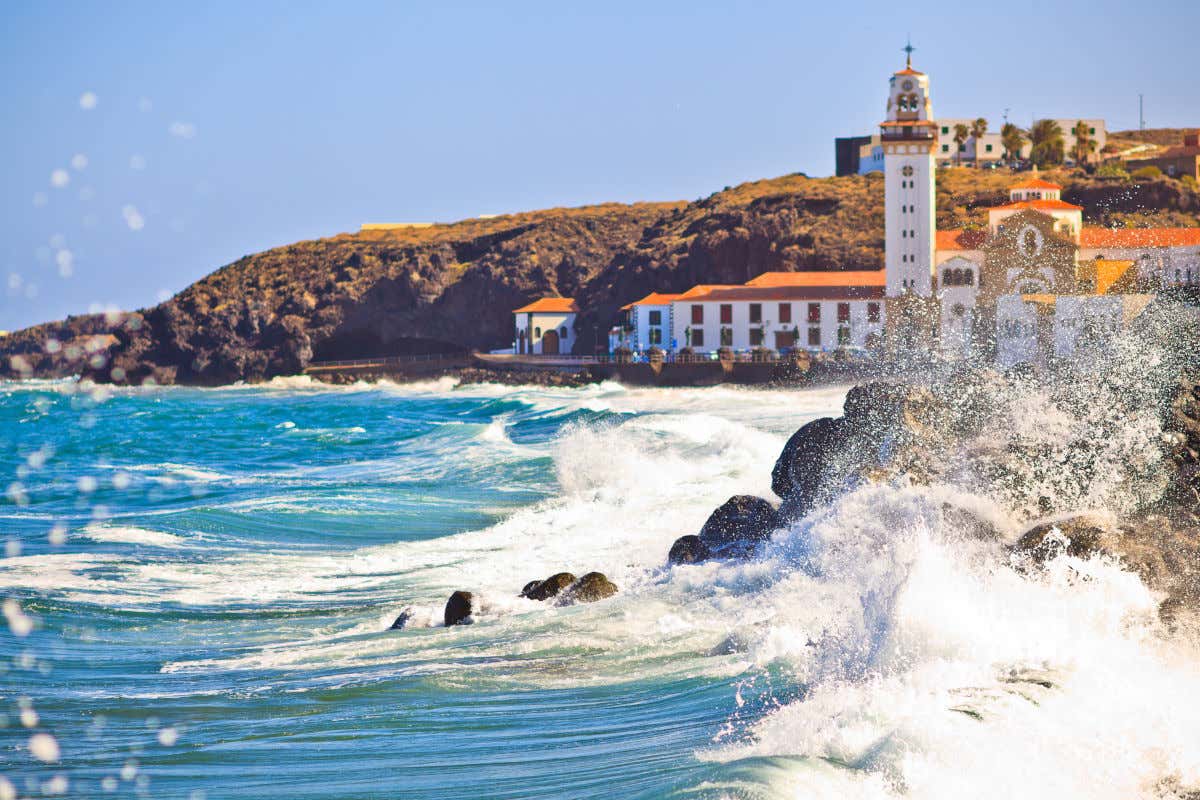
point(950, 432)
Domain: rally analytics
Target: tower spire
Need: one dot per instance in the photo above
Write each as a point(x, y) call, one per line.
point(908, 49)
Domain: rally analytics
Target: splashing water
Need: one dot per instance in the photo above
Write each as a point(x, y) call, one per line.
point(221, 592)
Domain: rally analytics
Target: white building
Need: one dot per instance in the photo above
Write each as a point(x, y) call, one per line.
point(649, 322)
point(545, 327)
point(816, 311)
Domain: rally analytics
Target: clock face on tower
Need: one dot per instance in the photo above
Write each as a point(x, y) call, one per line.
point(907, 171)
point(908, 85)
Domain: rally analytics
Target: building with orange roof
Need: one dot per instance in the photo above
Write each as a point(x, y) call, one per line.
point(545, 327)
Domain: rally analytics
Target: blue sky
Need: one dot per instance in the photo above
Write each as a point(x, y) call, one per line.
point(221, 128)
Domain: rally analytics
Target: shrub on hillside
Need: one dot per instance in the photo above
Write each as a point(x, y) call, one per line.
point(1147, 173)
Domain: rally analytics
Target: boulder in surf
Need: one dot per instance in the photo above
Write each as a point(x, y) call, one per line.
point(459, 608)
point(545, 589)
point(589, 588)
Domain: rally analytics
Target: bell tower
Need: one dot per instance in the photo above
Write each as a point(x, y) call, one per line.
point(909, 139)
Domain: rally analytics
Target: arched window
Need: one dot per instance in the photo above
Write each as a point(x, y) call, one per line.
point(537, 333)
point(968, 277)
point(563, 332)
point(947, 278)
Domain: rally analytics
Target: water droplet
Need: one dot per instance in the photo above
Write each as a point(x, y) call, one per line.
point(58, 535)
point(79, 161)
point(86, 484)
point(20, 624)
point(88, 101)
point(184, 130)
point(59, 178)
point(44, 747)
point(133, 218)
point(168, 737)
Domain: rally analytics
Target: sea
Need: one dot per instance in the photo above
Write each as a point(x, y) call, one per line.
point(199, 587)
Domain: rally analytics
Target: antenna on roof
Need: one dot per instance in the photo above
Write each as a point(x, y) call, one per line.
point(908, 49)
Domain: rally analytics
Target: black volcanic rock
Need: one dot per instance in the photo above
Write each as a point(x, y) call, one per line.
point(589, 588)
point(459, 608)
point(544, 590)
point(688, 550)
point(738, 525)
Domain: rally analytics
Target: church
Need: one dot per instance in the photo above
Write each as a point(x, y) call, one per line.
point(1034, 284)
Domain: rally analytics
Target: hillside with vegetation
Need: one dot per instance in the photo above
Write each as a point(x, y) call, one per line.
point(417, 290)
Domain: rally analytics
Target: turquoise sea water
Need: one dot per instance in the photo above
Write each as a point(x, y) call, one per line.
point(212, 574)
point(198, 586)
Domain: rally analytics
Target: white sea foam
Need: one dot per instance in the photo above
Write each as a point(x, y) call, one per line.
point(104, 532)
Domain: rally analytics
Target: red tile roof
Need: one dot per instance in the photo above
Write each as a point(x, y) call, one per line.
point(873, 277)
point(652, 299)
point(549, 305)
point(1039, 205)
point(1036, 183)
point(759, 293)
point(961, 239)
point(702, 290)
point(1137, 238)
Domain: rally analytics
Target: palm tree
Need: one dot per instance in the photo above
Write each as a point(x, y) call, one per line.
point(978, 131)
point(1012, 139)
point(1085, 145)
point(961, 133)
point(1047, 138)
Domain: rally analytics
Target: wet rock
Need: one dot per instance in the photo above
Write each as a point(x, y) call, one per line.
point(738, 525)
point(801, 468)
point(588, 589)
point(405, 616)
point(1080, 537)
point(688, 550)
point(544, 590)
point(459, 608)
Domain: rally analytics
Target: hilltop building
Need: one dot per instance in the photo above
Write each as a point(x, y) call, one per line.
point(1032, 285)
point(1174, 161)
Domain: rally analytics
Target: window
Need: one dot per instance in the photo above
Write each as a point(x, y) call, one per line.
point(726, 337)
point(968, 277)
point(756, 337)
point(843, 312)
point(755, 313)
point(945, 129)
point(814, 337)
point(988, 148)
point(945, 148)
point(785, 312)
point(1092, 131)
point(537, 333)
point(656, 336)
point(903, 234)
point(726, 314)
point(697, 338)
point(843, 335)
point(697, 314)
point(814, 312)
point(872, 312)
point(563, 332)
point(656, 318)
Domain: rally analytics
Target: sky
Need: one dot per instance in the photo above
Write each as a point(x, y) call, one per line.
point(147, 144)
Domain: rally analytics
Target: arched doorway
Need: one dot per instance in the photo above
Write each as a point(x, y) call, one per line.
point(550, 343)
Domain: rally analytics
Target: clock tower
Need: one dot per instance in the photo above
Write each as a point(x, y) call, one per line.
point(909, 139)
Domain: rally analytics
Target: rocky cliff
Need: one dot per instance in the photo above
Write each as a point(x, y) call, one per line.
point(453, 286)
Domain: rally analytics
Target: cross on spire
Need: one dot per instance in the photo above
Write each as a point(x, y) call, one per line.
point(908, 49)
